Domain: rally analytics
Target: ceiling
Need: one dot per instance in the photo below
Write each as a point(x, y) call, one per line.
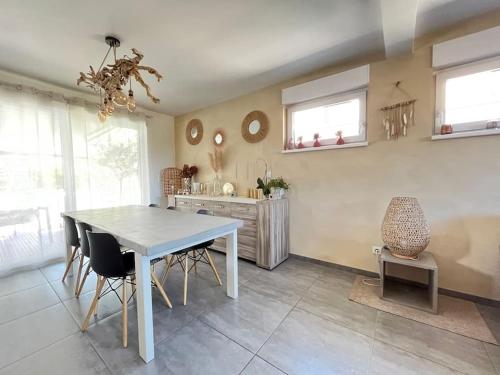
point(210, 50)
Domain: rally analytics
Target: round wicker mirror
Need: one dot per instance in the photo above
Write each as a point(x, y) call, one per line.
point(255, 127)
point(219, 137)
point(194, 131)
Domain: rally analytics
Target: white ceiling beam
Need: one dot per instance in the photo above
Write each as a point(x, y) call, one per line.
point(399, 18)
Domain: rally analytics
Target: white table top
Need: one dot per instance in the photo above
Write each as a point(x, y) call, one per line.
point(151, 230)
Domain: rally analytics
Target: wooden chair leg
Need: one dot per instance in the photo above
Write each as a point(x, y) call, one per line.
point(185, 278)
point(213, 266)
point(80, 287)
point(97, 303)
point(80, 266)
point(165, 273)
point(70, 263)
point(124, 314)
point(94, 304)
point(160, 288)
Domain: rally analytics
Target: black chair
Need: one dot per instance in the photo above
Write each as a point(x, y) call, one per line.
point(71, 240)
point(199, 253)
point(84, 252)
point(112, 265)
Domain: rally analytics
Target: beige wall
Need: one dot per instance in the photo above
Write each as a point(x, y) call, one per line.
point(339, 197)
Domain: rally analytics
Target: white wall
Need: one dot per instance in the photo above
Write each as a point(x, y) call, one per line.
point(160, 127)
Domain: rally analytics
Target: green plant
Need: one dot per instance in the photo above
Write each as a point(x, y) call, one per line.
point(278, 183)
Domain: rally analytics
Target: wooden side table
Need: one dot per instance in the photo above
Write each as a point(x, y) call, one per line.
point(425, 299)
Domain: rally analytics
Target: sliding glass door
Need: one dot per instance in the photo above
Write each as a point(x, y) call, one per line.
point(56, 157)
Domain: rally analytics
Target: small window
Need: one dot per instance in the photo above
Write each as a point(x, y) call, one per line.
point(327, 116)
point(468, 97)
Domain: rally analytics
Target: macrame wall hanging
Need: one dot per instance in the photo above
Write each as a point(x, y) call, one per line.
point(398, 117)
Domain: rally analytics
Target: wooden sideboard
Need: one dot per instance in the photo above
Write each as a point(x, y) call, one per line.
point(264, 237)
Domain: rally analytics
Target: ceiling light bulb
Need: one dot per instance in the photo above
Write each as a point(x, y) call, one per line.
point(101, 115)
point(108, 106)
point(119, 98)
point(131, 101)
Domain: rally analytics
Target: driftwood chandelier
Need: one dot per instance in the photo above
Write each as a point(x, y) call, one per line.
point(110, 79)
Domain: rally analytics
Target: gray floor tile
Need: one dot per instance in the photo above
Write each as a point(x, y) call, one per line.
point(66, 290)
point(329, 299)
point(249, 319)
point(307, 344)
point(447, 348)
point(17, 305)
point(21, 281)
point(494, 354)
point(387, 359)
point(73, 355)
point(491, 316)
point(54, 272)
point(26, 335)
point(285, 287)
point(258, 366)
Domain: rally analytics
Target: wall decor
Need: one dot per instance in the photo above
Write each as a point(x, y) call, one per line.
point(194, 131)
point(255, 127)
point(219, 137)
point(398, 117)
point(405, 230)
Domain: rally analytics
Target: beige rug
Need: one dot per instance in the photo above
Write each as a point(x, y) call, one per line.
point(455, 315)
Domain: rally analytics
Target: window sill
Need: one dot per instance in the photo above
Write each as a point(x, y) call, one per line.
point(466, 134)
point(327, 147)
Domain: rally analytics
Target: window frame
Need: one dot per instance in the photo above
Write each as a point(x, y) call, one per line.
point(454, 72)
point(360, 94)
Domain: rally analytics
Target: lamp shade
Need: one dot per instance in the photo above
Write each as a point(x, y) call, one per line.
point(405, 230)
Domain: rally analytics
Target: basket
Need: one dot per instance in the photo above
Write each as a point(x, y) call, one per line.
point(172, 181)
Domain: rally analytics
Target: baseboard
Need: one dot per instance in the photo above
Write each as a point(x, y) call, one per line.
point(446, 292)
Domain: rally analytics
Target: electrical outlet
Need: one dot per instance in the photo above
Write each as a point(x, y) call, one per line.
point(376, 250)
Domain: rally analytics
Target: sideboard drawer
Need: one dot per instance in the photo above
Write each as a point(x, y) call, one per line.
point(220, 208)
point(243, 211)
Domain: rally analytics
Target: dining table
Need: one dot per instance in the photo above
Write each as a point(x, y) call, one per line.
point(152, 233)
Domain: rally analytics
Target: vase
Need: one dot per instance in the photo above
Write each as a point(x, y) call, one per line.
point(340, 141)
point(217, 186)
point(405, 230)
point(186, 185)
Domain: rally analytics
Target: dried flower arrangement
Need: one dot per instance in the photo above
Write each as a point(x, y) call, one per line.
point(216, 160)
point(189, 171)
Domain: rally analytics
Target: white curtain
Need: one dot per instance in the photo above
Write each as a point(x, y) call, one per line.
point(54, 157)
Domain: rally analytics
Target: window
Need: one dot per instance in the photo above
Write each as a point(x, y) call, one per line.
point(468, 97)
point(327, 116)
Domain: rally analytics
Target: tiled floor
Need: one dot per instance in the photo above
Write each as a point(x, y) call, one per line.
point(294, 320)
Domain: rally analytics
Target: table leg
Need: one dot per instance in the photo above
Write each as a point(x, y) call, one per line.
point(144, 307)
point(232, 264)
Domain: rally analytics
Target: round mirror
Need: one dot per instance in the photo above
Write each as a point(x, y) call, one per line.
point(194, 132)
point(254, 127)
point(219, 137)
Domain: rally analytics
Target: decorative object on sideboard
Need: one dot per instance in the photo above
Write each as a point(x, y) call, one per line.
point(275, 188)
point(216, 164)
point(316, 140)
point(219, 137)
point(255, 127)
point(405, 230)
point(228, 189)
point(110, 79)
point(194, 131)
point(446, 129)
point(187, 174)
point(398, 117)
point(340, 140)
point(172, 181)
